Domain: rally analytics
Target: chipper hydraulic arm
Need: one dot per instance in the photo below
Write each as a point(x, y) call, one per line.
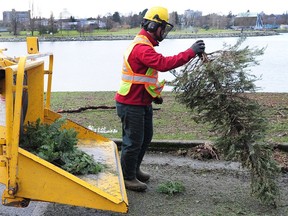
point(25, 98)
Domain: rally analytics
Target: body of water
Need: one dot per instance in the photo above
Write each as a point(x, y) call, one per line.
point(96, 65)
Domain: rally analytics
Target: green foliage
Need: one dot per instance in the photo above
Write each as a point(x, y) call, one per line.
point(58, 146)
point(171, 187)
point(214, 87)
point(80, 163)
point(264, 172)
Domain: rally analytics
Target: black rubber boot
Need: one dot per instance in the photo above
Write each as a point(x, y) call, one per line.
point(142, 176)
point(135, 185)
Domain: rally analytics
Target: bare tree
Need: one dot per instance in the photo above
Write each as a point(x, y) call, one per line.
point(52, 24)
point(32, 21)
point(14, 23)
point(174, 19)
point(60, 22)
point(108, 22)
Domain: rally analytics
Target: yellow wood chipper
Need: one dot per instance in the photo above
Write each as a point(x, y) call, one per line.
point(25, 91)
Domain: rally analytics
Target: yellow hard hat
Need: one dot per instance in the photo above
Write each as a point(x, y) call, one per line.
point(157, 14)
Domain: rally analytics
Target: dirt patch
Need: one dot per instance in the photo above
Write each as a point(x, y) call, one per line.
point(211, 188)
point(282, 158)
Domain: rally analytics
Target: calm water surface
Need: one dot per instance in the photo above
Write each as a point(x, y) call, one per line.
point(96, 65)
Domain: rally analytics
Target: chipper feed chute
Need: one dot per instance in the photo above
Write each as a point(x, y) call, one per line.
point(27, 176)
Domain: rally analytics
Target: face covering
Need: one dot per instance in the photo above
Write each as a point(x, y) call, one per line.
point(166, 28)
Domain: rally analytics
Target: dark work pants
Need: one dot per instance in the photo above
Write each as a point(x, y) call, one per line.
point(137, 132)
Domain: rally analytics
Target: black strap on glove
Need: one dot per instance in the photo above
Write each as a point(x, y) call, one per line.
point(158, 100)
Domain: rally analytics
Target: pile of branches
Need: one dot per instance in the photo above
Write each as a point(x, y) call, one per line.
point(215, 86)
point(58, 146)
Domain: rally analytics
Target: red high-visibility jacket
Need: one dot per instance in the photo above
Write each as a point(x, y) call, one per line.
point(143, 57)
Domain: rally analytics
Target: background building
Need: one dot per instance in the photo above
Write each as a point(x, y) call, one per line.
point(19, 16)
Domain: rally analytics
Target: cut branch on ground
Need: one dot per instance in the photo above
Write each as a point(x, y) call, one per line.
point(82, 109)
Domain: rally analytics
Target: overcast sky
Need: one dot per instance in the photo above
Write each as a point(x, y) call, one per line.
point(93, 8)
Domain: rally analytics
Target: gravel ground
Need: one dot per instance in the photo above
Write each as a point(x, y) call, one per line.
point(211, 188)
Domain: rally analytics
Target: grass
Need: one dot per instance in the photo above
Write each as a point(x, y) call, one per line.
point(118, 31)
point(172, 121)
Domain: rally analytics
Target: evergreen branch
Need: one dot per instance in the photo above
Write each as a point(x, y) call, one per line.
point(213, 88)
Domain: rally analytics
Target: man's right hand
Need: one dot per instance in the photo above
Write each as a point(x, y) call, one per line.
point(198, 47)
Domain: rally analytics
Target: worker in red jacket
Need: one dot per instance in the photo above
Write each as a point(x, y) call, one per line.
point(140, 87)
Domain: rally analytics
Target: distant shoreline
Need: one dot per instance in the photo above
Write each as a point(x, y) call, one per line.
point(130, 37)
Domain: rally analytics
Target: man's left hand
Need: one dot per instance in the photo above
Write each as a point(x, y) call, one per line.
point(158, 100)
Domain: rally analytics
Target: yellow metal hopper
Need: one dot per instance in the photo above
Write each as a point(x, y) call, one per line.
point(28, 177)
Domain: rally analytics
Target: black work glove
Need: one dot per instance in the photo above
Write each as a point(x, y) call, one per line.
point(198, 47)
point(158, 100)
